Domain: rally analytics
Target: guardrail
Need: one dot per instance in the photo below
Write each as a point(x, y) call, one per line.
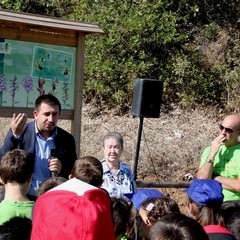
point(141, 184)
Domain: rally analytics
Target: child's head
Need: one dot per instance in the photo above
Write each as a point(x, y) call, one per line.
point(16, 166)
point(121, 212)
point(230, 209)
point(16, 228)
point(153, 209)
point(204, 201)
point(137, 199)
point(177, 226)
point(50, 183)
point(73, 210)
point(143, 194)
point(88, 169)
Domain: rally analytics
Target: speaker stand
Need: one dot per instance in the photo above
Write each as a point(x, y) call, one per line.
point(138, 148)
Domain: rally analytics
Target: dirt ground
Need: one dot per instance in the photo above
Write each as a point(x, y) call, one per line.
point(171, 145)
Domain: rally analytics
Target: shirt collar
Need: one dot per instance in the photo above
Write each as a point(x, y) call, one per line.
point(107, 169)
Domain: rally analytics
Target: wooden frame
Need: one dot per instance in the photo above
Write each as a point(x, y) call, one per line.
point(42, 29)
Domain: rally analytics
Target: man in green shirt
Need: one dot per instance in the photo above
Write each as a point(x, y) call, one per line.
point(221, 160)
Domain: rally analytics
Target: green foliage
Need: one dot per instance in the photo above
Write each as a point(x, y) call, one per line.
point(229, 70)
point(138, 39)
point(156, 39)
point(192, 46)
point(56, 8)
point(210, 31)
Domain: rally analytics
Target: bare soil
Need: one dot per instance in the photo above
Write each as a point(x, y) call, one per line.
point(171, 145)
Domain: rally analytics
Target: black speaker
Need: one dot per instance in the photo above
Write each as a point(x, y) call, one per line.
point(147, 98)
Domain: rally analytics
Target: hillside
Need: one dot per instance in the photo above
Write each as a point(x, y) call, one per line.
point(171, 145)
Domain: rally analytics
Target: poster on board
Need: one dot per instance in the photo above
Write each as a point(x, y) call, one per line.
point(28, 70)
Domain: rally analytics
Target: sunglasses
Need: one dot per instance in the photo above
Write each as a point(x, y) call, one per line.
point(228, 130)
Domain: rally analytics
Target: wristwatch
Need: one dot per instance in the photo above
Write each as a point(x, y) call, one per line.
point(209, 160)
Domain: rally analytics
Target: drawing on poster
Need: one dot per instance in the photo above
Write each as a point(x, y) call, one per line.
point(28, 70)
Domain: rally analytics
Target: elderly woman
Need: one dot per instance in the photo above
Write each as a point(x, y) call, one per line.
point(118, 178)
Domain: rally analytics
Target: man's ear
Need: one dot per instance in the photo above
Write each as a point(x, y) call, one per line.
point(70, 176)
point(35, 114)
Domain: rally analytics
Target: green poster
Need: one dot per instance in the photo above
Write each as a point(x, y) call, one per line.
point(28, 70)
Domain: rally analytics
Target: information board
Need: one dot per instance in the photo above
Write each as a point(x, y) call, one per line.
point(29, 69)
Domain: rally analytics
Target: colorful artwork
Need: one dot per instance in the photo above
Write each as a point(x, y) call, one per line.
point(28, 70)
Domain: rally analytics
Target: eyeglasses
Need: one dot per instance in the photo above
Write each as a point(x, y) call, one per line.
point(228, 130)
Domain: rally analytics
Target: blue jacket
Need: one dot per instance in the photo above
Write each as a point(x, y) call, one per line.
point(64, 142)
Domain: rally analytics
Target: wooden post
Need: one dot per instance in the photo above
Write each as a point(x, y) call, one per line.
point(76, 122)
point(60, 32)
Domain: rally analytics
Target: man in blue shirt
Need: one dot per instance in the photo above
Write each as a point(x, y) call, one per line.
point(39, 138)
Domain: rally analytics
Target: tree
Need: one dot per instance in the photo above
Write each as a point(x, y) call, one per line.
point(192, 46)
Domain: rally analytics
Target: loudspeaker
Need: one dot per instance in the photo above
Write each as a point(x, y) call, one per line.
point(147, 98)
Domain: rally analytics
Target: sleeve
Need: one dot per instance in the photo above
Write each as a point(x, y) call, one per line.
point(10, 142)
point(132, 180)
point(66, 152)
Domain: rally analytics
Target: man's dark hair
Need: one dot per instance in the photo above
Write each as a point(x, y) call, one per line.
point(48, 99)
point(16, 165)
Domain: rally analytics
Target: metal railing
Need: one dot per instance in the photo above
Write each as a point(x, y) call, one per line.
point(141, 184)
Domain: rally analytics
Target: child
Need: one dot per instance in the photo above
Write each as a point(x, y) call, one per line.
point(204, 201)
point(153, 209)
point(73, 210)
point(88, 169)
point(177, 226)
point(138, 198)
point(16, 169)
point(121, 213)
point(17, 228)
point(49, 183)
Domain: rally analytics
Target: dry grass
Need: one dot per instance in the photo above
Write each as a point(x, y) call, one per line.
point(171, 145)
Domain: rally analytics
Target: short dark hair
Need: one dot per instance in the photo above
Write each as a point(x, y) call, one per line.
point(121, 213)
point(16, 165)
point(17, 228)
point(88, 169)
point(115, 135)
point(177, 226)
point(233, 225)
point(48, 99)
point(228, 208)
point(49, 183)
